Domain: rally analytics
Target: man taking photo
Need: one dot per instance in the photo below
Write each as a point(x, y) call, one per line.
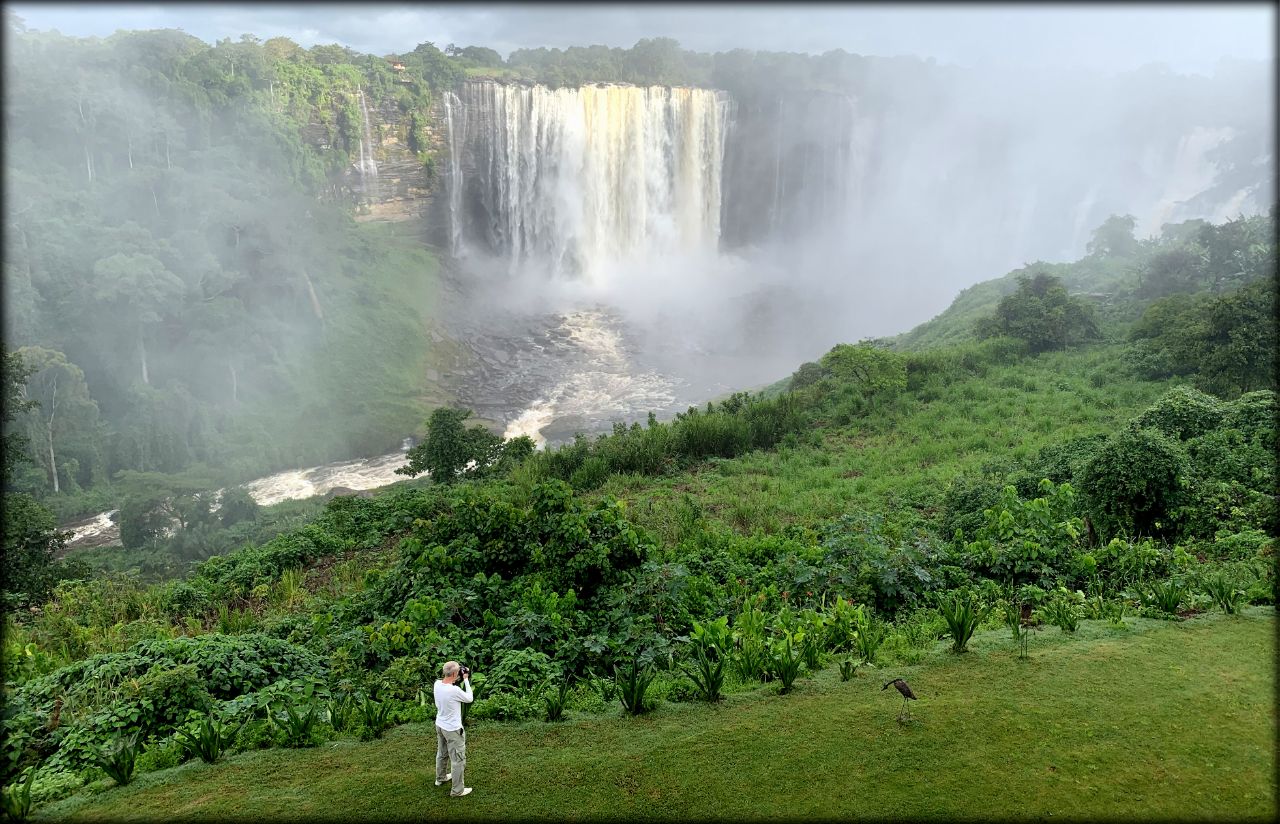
point(451, 742)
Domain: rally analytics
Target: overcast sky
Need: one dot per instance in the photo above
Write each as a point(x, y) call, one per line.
point(1188, 38)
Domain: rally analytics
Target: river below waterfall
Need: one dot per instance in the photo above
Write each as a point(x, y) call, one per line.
point(548, 376)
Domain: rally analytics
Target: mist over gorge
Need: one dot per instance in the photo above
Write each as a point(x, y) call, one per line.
point(256, 257)
point(843, 213)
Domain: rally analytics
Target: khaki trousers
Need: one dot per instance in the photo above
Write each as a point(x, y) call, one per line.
point(451, 750)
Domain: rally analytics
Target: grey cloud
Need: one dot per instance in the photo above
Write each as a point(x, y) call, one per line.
point(1186, 37)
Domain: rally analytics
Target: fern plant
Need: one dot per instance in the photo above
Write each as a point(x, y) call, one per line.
point(632, 686)
point(1224, 593)
point(963, 615)
point(117, 762)
point(210, 738)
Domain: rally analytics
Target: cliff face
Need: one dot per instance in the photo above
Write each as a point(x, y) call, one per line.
point(385, 180)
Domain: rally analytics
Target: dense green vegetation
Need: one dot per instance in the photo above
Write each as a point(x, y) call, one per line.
point(884, 502)
point(1067, 446)
point(1075, 733)
point(183, 273)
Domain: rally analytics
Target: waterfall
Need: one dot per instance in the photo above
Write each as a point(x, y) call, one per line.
point(576, 180)
point(456, 131)
point(368, 168)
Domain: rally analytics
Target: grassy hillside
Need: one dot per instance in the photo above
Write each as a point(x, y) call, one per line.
point(882, 504)
point(901, 456)
point(1100, 725)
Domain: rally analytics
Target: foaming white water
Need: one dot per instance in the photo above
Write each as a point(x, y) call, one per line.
point(606, 385)
point(100, 526)
point(357, 475)
point(532, 421)
point(456, 132)
point(368, 168)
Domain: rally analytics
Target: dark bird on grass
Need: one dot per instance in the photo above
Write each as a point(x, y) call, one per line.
point(902, 687)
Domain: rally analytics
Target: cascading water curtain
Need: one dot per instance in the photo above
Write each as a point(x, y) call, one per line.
point(578, 179)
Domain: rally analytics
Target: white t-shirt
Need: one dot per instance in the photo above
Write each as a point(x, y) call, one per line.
point(449, 701)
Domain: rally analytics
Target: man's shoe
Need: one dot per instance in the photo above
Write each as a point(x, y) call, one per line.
point(465, 791)
point(447, 777)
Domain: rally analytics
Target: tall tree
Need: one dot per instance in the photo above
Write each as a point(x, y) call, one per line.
point(65, 411)
point(139, 289)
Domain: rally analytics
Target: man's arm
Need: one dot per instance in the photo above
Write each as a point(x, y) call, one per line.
point(465, 694)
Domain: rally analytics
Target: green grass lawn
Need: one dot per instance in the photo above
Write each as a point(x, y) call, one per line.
point(1160, 720)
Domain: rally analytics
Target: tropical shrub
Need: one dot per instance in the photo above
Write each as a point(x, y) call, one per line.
point(1224, 593)
point(786, 661)
point(963, 614)
point(118, 760)
point(1166, 596)
point(1027, 541)
point(1182, 413)
point(633, 683)
point(1041, 313)
point(160, 755)
point(1063, 613)
point(520, 671)
point(507, 706)
point(295, 725)
point(555, 701)
point(1134, 483)
point(209, 737)
point(341, 712)
point(751, 654)
point(17, 796)
point(706, 672)
point(375, 716)
point(870, 634)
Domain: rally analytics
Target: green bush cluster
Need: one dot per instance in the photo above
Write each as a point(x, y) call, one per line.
point(735, 426)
